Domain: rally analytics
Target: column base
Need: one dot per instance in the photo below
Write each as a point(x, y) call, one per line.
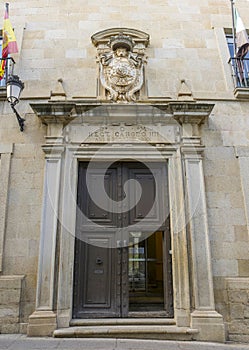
point(182, 317)
point(63, 318)
point(42, 324)
point(210, 325)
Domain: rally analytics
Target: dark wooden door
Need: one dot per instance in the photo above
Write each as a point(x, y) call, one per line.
point(104, 231)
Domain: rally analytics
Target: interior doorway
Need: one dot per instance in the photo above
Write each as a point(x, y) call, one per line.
point(120, 271)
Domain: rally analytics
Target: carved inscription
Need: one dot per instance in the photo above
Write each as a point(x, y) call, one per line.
point(122, 133)
point(125, 133)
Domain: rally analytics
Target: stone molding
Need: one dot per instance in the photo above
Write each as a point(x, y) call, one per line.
point(66, 111)
point(53, 112)
point(241, 93)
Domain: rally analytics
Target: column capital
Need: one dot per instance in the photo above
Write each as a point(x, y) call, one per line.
point(56, 115)
point(54, 112)
point(191, 112)
point(53, 151)
point(191, 115)
point(192, 151)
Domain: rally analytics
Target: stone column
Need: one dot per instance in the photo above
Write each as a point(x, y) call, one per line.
point(204, 317)
point(43, 321)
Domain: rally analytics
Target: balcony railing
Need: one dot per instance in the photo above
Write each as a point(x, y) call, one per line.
point(8, 70)
point(240, 72)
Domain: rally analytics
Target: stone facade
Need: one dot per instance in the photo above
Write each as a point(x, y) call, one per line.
point(237, 301)
point(187, 110)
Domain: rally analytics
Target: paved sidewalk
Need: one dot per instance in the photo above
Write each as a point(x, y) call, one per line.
point(21, 342)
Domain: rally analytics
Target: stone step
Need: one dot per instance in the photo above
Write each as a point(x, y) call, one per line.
point(122, 321)
point(128, 332)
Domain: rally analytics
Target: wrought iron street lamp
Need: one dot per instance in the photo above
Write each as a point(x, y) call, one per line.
point(14, 89)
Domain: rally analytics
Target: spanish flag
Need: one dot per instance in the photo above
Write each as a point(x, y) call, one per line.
point(9, 44)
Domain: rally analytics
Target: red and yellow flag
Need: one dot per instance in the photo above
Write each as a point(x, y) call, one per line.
point(9, 44)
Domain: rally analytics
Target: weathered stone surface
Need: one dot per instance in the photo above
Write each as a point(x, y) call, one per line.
point(238, 303)
point(10, 301)
point(243, 265)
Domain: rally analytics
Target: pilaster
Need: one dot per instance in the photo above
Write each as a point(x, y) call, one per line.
point(43, 321)
point(204, 317)
point(179, 243)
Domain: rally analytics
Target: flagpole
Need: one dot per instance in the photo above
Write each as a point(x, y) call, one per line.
point(233, 29)
point(7, 61)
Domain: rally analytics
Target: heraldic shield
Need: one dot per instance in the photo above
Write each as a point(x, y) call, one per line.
point(121, 69)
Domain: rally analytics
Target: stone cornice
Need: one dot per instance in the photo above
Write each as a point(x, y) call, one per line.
point(54, 112)
point(190, 112)
point(66, 111)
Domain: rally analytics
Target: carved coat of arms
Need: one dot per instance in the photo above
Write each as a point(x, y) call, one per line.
point(121, 69)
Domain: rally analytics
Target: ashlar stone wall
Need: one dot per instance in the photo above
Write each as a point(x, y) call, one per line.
point(187, 41)
point(238, 308)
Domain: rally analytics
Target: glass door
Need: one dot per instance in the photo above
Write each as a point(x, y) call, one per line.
point(146, 285)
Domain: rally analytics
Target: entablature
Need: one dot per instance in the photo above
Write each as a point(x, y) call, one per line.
point(152, 122)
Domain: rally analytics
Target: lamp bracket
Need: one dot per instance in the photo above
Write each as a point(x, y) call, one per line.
point(19, 118)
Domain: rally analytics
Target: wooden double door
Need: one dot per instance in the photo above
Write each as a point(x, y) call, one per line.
point(122, 247)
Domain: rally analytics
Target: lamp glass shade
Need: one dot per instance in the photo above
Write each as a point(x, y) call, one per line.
point(14, 89)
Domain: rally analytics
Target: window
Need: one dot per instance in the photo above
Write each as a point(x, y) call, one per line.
point(240, 67)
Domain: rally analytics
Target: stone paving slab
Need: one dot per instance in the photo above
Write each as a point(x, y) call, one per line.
point(22, 342)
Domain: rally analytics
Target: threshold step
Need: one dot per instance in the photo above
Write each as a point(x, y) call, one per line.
point(122, 321)
point(128, 332)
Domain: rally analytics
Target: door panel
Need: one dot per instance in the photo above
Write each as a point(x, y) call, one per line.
point(89, 180)
point(152, 206)
point(145, 204)
point(94, 212)
point(97, 276)
point(102, 273)
point(95, 289)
